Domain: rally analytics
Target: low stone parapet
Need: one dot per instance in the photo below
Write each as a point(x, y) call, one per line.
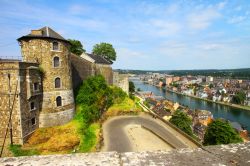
point(233, 154)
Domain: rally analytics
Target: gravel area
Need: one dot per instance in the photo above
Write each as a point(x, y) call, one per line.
point(143, 140)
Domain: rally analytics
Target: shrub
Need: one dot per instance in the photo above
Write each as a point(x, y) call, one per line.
point(220, 132)
point(182, 121)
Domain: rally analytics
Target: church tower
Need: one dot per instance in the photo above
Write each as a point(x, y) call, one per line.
point(51, 51)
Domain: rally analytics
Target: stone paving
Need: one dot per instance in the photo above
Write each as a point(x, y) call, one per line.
point(234, 154)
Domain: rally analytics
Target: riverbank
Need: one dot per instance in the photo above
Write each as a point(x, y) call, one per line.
point(211, 101)
point(218, 110)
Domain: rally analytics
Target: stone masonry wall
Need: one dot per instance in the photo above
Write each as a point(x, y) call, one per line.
point(29, 74)
point(22, 76)
point(41, 52)
point(230, 155)
point(49, 100)
point(56, 119)
point(82, 69)
point(121, 80)
point(11, 68)
point(105, 71)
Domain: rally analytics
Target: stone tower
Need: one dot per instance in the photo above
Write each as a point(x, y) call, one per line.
point(51, 51)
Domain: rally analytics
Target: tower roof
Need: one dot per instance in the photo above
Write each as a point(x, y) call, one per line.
point(45, 32)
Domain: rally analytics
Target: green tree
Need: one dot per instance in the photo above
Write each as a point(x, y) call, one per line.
point(211, 85)
point(182, 121)
point(220, 132)
point(239, 97)
point(105, 50)
point(131, 87)
point(117, 95)
point(76, 47)
point(174, 84)
point(94, 97)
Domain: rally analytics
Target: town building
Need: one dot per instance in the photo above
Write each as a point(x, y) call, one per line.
point(203, 117)
point(209, 79)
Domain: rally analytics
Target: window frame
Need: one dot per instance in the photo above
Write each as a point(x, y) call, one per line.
point(58, 46)
point(59, 62)
point(34, 108)
point(59, 101)
point(38, 88)
point(33, 124)
point(60, 83)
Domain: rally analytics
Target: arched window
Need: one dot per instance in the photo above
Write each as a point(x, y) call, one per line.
point(57, 82)
point(58, 101)
point(55, 46)
point(56, 61)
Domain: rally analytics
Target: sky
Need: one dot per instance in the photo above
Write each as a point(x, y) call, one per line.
point(146, 34)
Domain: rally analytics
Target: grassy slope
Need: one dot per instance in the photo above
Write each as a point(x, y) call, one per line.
point(90, 139)
point(59, 139)
point(70, 137)
point(127, 106)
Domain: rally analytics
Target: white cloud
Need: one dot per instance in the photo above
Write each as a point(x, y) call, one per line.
point(236, 19)
point(50, 16)
point(129, 59)
point(221, 5)
point(211, 46)
point(164, 28)
point(202, 19)
point(173, 49)
point(126, 53)
point(78, 9)
point(238, 8)
point(173, 8)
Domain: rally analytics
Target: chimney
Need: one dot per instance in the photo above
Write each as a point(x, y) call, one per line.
point(36, 32)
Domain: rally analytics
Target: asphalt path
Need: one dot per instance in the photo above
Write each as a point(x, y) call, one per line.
point(116, 139)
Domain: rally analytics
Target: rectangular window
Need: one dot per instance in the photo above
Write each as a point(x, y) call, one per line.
point(36, 86)
point(33, 121)
point(55, 46)
point(32, 106)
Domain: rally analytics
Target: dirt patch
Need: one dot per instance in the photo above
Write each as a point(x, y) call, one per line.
point(60, 139)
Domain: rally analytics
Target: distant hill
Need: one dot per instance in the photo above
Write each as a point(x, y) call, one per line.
point(230, 73)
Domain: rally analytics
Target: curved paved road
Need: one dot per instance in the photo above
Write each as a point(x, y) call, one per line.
point(116, 139)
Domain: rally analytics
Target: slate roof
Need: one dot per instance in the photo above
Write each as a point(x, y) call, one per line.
point(99, 59)
point(47, 32)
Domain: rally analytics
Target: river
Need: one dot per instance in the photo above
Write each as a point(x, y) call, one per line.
point(218, 110)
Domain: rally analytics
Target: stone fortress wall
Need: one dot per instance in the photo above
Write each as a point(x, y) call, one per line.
point(40, 51)
point(82, 69)
point(24, 120)
point(121, 80)
point(40, 102)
